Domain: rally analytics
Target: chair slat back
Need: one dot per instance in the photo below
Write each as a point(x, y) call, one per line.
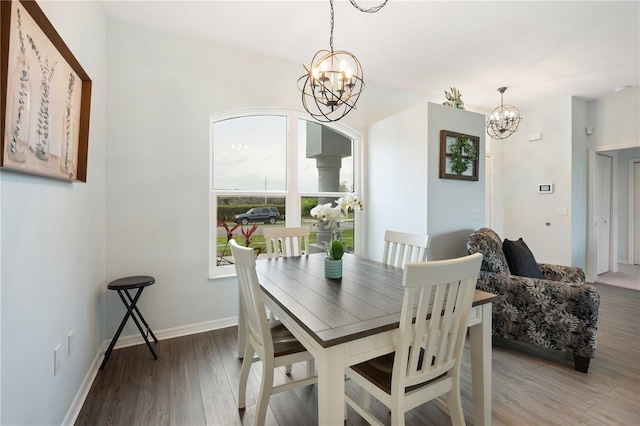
point(401, 247)
point(258, 331)
point(286, 242)
point(443, 293)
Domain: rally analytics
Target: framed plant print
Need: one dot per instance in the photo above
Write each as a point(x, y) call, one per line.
point(458, 156)
point(45, 97)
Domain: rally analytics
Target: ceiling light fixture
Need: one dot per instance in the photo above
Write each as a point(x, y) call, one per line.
point(333, 81)
point(504, 120)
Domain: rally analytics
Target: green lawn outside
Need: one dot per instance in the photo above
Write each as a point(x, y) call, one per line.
point(257, 240)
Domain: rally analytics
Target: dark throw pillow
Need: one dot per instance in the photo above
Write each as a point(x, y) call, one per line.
point(520, 259)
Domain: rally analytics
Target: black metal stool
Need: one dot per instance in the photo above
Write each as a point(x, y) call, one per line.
point(123, 285)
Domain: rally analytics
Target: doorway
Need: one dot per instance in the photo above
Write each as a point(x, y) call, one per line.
point(621, 220)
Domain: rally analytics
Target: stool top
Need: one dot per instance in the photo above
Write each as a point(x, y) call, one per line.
point(131, 282)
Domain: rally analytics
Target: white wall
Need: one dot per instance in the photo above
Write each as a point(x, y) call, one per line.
point(615, 120)
point(53, 254)
point(560, 157)
point(162, 89)
point(525, 165)
point(404, 191)
point(396, 177)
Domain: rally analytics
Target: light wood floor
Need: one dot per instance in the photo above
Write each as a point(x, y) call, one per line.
point(627, 276)
point(195, 382)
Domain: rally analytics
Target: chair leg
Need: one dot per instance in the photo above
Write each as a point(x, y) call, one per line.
point(581, 363)
point(454, 403)
point(265, 393)
point(365, 399)
point(397, 416)
point(311, 368)
point(244, 375)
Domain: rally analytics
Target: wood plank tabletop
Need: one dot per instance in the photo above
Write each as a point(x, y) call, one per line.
point(366, 301)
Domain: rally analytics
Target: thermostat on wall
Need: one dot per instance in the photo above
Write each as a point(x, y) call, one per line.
point(546, 188)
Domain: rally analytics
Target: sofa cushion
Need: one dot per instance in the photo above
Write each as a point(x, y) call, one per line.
point(520, 259)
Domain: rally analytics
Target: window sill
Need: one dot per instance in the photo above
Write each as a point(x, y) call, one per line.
point(227, 271)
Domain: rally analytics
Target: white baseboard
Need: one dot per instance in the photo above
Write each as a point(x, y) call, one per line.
point(131, 340)
point(85, 387)
point(169, 333)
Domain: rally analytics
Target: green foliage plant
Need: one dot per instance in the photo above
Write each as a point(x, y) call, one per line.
point(460, 162)
point(336, 250)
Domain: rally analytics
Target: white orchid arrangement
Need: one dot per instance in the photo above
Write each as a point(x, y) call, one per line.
point(331, 217)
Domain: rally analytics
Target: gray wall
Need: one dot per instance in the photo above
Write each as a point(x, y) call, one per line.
point(455, 207)
point(53, 254)
point(404, 191)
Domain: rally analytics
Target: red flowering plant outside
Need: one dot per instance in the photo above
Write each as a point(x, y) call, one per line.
point(221, 259)
point(246, 234)
point(247, 238)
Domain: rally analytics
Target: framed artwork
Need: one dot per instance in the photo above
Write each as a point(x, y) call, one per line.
point(45, 97)
point(458, 156)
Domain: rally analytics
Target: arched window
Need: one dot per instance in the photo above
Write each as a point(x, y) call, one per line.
point(270, 167)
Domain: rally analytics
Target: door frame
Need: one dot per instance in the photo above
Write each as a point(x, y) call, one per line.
point(592, 189)
point(606, 209)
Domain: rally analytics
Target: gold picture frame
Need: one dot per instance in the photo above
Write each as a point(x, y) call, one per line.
point(45, 96)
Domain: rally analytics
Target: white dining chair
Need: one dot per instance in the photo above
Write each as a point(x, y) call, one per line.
point(443, 291)
point(285, 242)
point(274, 345)
point(401, 247)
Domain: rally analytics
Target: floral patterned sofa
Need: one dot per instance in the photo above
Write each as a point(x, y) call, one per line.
point(557, 312)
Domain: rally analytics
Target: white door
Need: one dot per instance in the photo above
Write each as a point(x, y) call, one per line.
point(636, 214)
point(604, 212)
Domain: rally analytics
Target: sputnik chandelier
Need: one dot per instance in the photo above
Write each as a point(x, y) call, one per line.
point(333, 81)
point(504, 120)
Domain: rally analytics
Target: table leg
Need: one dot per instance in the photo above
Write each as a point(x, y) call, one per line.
point(331, 387)
point(480, 343)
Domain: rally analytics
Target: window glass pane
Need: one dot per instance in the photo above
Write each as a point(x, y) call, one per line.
point(325, 159)
point(240, 214)
point(250, 153)
point(321, 233)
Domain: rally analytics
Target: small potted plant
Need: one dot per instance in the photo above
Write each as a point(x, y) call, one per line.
point(331, 217)
point(333, 261)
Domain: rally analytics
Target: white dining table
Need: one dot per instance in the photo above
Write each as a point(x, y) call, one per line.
point(347, 321)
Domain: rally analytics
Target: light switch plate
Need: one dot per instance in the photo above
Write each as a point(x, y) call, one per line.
point(57, 359)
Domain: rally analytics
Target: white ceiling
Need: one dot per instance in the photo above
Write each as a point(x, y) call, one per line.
point(539, 49)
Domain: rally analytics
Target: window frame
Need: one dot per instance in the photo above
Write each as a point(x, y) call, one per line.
point(292, 194)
